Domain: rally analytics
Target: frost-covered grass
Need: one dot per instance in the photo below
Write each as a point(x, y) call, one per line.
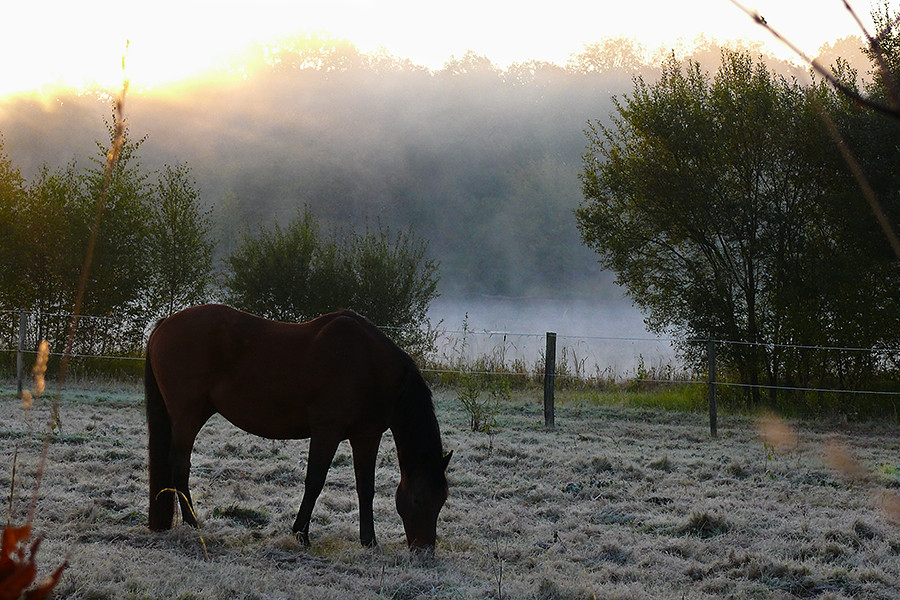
point(615, 503)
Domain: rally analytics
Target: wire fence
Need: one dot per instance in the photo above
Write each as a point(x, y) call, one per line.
point(114, 337)
point(520, 354)
point(792, 369)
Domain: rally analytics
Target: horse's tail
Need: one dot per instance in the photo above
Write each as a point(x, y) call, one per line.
point(159, 429)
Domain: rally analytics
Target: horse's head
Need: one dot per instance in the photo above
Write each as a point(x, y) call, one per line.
point(419, 500)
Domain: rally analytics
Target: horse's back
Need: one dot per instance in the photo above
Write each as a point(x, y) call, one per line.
point(275, 379)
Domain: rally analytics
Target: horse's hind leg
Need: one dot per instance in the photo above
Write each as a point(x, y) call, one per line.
point(182, 445)
point(321, 453)
point(365, 453)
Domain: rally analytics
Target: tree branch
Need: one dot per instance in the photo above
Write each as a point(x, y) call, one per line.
point(874, 45)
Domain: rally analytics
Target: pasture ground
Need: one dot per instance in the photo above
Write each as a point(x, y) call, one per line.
point(615, 503)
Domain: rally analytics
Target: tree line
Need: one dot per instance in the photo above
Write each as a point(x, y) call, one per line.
point(154, 256)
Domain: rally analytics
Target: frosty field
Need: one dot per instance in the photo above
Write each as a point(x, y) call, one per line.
point(615, 503)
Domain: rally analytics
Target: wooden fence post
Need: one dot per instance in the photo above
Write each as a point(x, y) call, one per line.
point(20, 357)
point(549, 377)
point(713, 416)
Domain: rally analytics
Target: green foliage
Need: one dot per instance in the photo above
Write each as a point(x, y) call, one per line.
point(298, 273)
point(724, 207)
point(53, 220)
point(179, 245)
point(13, 238)
point(273, 275)
point(886, 24)
point(687, 398)
point(152, 253)
point(481, 398)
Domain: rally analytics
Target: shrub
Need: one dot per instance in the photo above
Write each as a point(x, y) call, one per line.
point(482, 409)
point(298, 273)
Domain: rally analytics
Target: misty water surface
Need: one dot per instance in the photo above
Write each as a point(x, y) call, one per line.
point(607, 336)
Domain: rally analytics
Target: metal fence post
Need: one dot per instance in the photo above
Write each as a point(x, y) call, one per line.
point(549, 377)
point(711, 357)
point(20, 356)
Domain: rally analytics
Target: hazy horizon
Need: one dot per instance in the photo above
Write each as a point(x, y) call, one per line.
point(78, 45)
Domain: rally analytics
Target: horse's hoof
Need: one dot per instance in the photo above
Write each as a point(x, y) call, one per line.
point(303, 538)
point(373, 543)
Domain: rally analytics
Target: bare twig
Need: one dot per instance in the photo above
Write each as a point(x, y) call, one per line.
point(12, 484)
point(875, 46)
point(40, 367)
point(499, 558)
point(891, 111)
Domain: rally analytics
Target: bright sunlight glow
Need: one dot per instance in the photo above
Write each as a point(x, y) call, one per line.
point(52, 43)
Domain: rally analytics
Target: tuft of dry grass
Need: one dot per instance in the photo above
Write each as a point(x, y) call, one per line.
point(704, 525)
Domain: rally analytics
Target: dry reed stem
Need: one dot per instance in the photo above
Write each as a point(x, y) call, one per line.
point(18, 571)
point(28, 396)
point(12, 484)
point(38, 372)
point(112, 158)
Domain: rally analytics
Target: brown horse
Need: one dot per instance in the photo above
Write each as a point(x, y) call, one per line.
point(335, 378)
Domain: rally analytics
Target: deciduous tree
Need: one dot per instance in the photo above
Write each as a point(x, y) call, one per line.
point(298, 272)
point(720, 203)
point(179, 245)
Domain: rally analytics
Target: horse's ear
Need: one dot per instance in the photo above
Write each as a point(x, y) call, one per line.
point(447, 458)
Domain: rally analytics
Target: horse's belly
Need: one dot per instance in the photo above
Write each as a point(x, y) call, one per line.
point(272, 424)
point(303, 419)
point(262, 407)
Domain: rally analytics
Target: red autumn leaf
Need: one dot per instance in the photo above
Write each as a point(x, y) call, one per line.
point(45, 589)
point(17, 572)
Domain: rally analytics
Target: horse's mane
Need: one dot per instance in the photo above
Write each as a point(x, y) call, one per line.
point(408, 360)
point(415, 395)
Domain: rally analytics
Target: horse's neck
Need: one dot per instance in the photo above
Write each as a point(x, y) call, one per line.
point(416, 432)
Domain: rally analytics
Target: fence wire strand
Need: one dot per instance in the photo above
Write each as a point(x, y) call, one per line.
point(504, 349)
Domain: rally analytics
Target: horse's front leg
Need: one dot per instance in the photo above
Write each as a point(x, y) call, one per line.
point(365, 452)
point(321, 453)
